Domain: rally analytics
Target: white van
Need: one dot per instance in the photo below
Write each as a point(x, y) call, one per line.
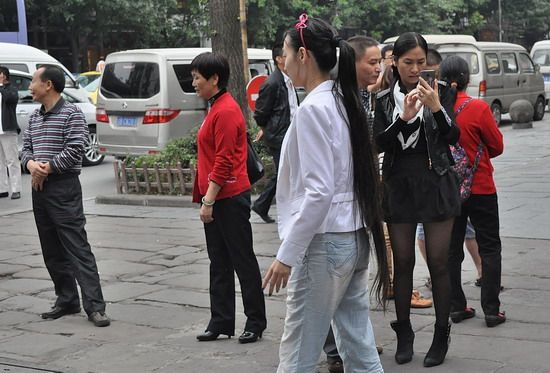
point(500, 73)
point(28, 59)
point(540, 53)
point(146, 98)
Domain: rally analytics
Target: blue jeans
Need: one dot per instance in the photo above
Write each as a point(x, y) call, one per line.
point(330, 285)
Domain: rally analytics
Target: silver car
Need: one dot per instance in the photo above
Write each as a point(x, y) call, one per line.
point(26, 106)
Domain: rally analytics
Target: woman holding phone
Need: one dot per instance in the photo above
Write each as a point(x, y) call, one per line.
point(414, 127)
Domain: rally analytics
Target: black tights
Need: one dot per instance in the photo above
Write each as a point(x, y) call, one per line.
point(438, 238)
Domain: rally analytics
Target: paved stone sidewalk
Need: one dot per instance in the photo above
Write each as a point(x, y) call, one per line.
point(154, 269)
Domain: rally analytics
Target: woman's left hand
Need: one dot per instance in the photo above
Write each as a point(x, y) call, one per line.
point(429, 96)
point(277, 276)
point(206, 214)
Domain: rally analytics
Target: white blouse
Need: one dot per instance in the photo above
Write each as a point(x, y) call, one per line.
point(315, 178)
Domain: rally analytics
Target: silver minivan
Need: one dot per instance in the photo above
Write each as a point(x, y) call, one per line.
point(146, 98)
point(540, 53)
point(500, 73)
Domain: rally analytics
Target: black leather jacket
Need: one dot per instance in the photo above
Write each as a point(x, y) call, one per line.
point(272, 112)
point(9, 103)
point(440, 131)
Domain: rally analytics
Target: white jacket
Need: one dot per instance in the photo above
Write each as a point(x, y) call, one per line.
point(315, 178)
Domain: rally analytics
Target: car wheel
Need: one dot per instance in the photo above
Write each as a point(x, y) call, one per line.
point(539, 109)
point(91, 153)
point(497, 112)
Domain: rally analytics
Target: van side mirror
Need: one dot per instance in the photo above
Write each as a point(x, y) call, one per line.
point(537, 68)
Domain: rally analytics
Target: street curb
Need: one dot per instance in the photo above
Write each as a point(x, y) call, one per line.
point(145, 200)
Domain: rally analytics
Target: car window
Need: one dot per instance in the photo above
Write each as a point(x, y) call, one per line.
point(92, 86)
point(525, 63)
point(492, 63)
point(542, 57)
point(17, 66)
point(183, 73)
point(471, 58)
point(258, 67)
point(509, 63)
point(130, 80)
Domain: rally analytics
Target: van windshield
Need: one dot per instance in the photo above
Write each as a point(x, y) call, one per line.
point(542, 57)
point(471, 58)
point(130, 80)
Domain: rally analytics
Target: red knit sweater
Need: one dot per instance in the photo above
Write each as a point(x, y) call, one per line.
point(477, 124)
point(222, 150)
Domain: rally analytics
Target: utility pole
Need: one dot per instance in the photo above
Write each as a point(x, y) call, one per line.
point(499, 21)
point(244, 37)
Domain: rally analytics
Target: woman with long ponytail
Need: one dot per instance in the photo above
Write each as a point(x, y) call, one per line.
point(328, 200)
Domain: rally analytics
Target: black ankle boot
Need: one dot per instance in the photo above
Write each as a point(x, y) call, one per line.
point(405, 340)
point(440, 345)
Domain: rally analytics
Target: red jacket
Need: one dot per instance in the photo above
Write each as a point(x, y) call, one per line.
point(477, 124)
point(222, 150)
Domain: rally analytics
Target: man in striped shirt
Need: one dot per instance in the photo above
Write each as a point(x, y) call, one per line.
point(53, 145)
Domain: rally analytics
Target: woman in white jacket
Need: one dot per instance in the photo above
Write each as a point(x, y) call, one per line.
point(328, 200)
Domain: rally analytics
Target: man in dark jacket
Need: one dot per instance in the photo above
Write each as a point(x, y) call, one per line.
point(9, 154)
point(275, 106)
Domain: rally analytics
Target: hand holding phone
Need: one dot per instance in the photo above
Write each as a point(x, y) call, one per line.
point(428, 76)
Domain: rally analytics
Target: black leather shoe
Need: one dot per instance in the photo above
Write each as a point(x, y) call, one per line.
point(15, 195)
point(467, 313)
point(99, 319)
point(4, 195)
point(209, 336)
point(265, 217)
point(249, 337)
point(494, 320)
point(58, 312)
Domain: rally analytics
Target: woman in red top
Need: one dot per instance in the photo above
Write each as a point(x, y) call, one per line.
point(477, 125)
point(222, 187)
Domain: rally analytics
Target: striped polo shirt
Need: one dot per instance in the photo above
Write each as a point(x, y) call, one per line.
point(58, 136)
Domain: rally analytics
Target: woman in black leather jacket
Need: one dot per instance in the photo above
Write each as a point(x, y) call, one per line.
point(414, 128)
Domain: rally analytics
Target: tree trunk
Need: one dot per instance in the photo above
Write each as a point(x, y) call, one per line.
point(227, 39)
point(75, 52)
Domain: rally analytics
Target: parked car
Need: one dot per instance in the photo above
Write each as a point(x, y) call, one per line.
point(146, 98)
point(500, 73)
point(540, 53)
point(92, 90)
point(26, 106)
point(87, 77)
point(28, 59)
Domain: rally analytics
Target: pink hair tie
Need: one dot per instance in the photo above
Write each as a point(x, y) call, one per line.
point(300, 26)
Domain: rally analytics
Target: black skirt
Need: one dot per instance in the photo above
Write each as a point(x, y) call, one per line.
point(413, 193)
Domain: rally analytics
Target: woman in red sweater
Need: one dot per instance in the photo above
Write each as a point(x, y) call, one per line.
point(477, 126)
point(223, 189)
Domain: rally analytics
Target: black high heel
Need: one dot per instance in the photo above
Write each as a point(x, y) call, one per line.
point(440, 345)
point(249, 337)
point(405, 341)
point(208, 336)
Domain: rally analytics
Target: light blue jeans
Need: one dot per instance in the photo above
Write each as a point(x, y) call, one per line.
point(330, 285)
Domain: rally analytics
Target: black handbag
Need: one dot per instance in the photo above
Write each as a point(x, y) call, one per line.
point(254, 164)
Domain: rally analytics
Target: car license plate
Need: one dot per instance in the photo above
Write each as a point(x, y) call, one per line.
point(127, 121)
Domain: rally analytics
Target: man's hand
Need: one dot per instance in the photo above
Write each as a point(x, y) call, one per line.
point(206, 214)
point(39, 172)
point(277, 276)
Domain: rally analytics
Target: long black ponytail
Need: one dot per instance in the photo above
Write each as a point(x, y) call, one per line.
point(321, 40)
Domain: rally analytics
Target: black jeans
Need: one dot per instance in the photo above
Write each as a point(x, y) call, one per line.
point(263, 203)
point(483, 213)
point(60, 221)
point(229, 244)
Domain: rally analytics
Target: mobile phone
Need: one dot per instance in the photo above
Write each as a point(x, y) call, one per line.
point(428, 76)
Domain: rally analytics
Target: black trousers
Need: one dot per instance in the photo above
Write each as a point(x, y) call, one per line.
point(330, 347)
point(483, 213)
point(229, 244)
point(60, 221)
point(263, 203)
